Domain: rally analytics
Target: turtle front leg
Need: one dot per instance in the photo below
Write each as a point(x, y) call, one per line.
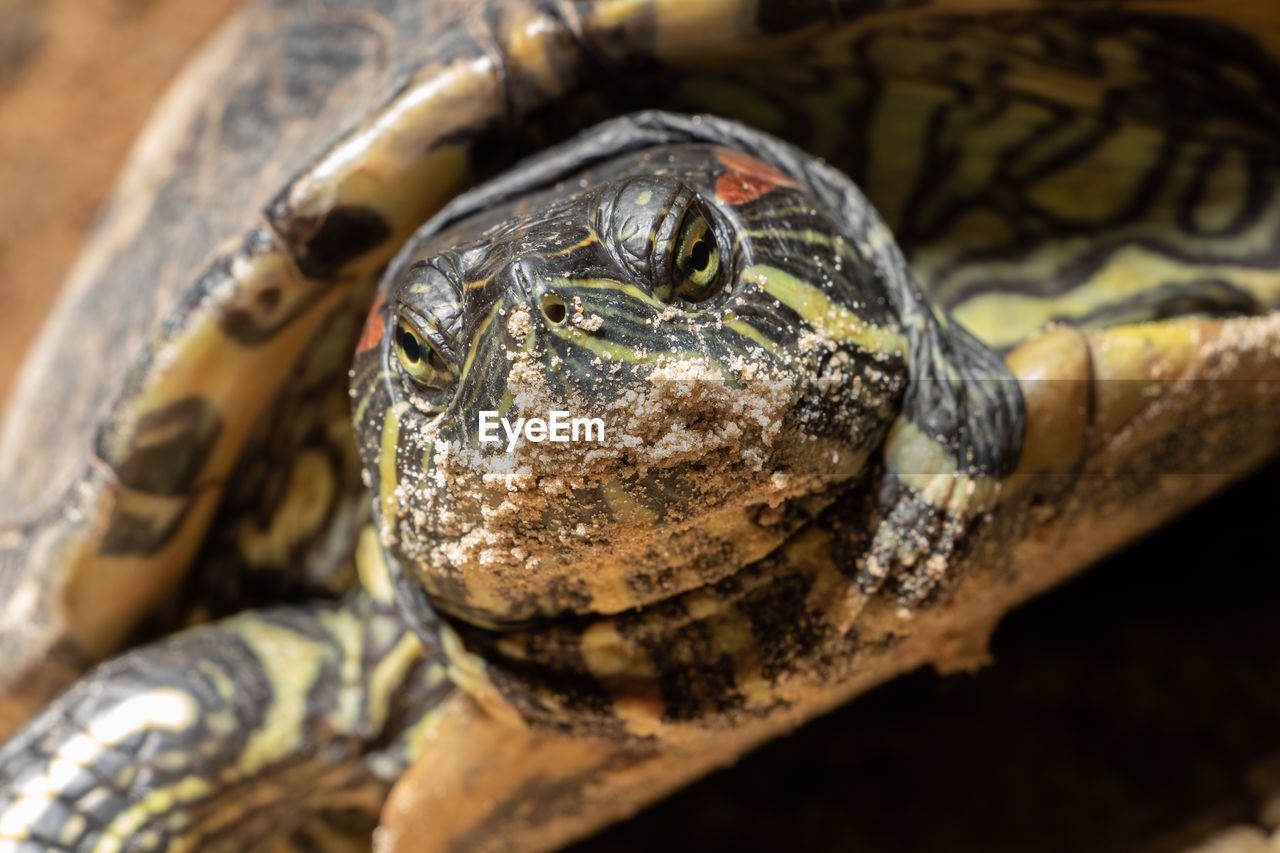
point(226, 735)
point(960, 430)
point(926, 504)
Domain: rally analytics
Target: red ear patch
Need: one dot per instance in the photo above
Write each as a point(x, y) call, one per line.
point(746, 178)
point(374, 326)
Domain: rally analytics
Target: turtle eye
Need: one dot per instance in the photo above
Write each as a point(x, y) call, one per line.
point(696, 258)
point(419, 358)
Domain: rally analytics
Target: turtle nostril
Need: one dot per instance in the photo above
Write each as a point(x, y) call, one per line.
point(553, 308)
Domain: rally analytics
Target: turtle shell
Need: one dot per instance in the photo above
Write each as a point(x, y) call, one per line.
point(1063, 163)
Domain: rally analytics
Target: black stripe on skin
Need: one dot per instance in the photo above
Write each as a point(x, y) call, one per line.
point(983, 421)
point(546, 681)
point(1197, 190)
point(550, 686)
point(168, 447)
point(784, 630)
point(324, 243)
point(697, 680)
point(130, 532)
point(1200, 69)
point(959, 389)
point(308, 422)
point(1212, 297)
point(790, 641)
point(327, 761)
point(346, 233)
point(170, 663)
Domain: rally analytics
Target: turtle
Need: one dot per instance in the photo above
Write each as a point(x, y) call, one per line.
point(877, 319)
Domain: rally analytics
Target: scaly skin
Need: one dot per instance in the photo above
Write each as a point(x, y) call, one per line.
point(228, 735)
point(811, 312)
point(433, 99)
point(201, 457)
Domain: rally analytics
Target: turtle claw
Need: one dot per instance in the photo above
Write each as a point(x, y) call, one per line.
point(918, 534)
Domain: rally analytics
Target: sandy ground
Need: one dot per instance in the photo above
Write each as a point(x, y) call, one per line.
point(1136, 708)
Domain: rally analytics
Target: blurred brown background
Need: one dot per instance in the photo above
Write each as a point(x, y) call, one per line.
point(1136, 708)
point(77, 80)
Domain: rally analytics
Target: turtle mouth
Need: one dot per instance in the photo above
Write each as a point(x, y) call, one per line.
point(684, 662)
point(597, 550)
point(783, 521)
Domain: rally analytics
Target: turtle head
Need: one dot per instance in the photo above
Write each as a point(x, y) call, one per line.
point(606, 391)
